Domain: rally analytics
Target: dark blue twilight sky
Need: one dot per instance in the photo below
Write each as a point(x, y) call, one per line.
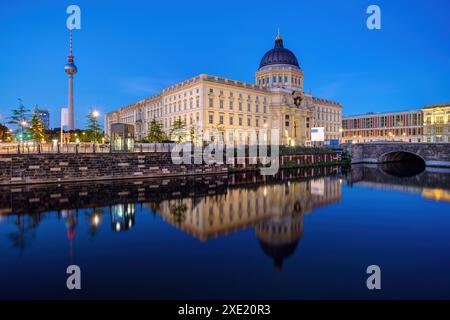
point(128, 50)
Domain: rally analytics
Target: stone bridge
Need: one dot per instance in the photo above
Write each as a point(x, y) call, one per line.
point(432, 154)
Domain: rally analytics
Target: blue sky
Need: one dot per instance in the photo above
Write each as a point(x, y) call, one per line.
point(128, 50)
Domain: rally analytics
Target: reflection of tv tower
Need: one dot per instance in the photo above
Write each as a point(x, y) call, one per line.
point(70, 69)
point(71, 224)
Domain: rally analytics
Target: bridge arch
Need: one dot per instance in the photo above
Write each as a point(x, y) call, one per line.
point(402, 163)
point(400, 156)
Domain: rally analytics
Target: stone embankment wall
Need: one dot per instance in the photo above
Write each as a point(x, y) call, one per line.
point(50, 168)
point(19, 169)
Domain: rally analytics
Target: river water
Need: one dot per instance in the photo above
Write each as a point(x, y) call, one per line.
point(303, 234)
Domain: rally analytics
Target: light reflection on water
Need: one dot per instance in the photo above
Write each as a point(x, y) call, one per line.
point(213, 237)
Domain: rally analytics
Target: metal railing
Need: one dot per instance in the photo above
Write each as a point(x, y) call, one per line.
point(51, 148)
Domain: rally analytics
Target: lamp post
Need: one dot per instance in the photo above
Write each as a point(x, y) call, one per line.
point(95, 114)
point(23, 123)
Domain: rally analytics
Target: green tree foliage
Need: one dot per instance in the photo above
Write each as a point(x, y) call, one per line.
point(19, 118)
point(37, 129)
point(94, 127)
point(178, 131)
point(155, 132)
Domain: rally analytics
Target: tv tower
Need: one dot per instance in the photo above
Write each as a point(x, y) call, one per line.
point(70, 69)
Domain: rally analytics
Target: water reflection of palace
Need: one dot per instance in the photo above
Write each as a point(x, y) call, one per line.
point(275, 210)
point(239, 208)
point(203, 207)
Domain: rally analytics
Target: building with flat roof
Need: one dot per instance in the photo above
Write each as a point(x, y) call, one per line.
point(405, 126)
point(436, 125)
point(430, 124)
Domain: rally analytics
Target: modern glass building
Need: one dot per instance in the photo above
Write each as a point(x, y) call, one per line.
point(45, 117)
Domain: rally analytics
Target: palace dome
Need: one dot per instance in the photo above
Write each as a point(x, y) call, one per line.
point(279, 55)
point(278, 252)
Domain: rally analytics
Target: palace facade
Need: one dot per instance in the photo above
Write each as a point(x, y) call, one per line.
point(210, 103)
point(274, 210)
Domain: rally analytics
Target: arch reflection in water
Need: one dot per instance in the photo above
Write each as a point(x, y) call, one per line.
point(432, 184)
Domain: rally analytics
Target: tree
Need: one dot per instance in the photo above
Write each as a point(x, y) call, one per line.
point(178, 130)
point(218, 131)
point(37, 129)
point(19, 118)
point(94, 126)
point(155, 132)
point(27, 226)
point(5, 135)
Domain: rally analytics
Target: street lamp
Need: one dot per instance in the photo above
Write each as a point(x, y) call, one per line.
point(95, 115)
point(23, 123)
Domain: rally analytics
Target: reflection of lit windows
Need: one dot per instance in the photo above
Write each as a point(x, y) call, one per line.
point(122, 216)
